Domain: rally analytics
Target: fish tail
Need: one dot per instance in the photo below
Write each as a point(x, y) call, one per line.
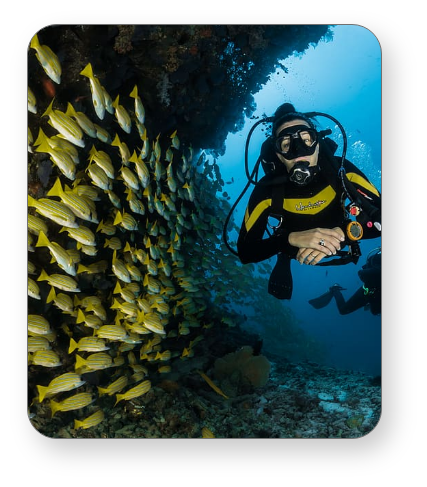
point(51, 296)
point(71, 112)
point(87, 71)
point(116, 141)
point(119, 397)
point(42, 241)
point(49, 109)
point(77, 424)
point(80, 362)
point(42, 392)
point(56, 189)
point(41, 137)
point(43, 276)
point(35, 43)
point(134, 92)
point(102, 390)
point(82, 268)
point(73, 346)
point(54, 407)
point(32, 201)
point(116, 102)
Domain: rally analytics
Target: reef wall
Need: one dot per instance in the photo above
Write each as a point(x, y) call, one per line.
point(199, 79)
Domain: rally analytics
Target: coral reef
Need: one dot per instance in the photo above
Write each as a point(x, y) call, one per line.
point(241, 370)
point(288, 406)
point(131, 290)
point(213, 70)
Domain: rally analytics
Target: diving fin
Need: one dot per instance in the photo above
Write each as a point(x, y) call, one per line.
point(322, 300)
point(325, 298)
point(280, 283)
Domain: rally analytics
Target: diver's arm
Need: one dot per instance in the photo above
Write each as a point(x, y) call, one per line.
point(252, 247)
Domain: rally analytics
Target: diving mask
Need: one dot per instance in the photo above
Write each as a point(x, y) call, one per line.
point(296, 141)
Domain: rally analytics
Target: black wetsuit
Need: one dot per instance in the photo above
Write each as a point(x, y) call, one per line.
point(316, 205)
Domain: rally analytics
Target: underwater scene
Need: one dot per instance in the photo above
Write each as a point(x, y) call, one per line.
point(144, 319)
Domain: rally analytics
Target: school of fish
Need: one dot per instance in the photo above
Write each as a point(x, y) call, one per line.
point(126, 268)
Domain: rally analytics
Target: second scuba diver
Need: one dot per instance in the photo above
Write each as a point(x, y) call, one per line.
point(367, 296)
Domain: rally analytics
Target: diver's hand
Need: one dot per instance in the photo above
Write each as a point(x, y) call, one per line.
point(309, 256)
point(308, 241)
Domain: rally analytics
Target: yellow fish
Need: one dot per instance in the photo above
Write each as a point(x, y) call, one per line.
point(61, 158)
point(35, 224)
point(95, 361)
point(103, 160)
point(88, 344)
point(119, 268)
point(123, 149)
point(77, 204)
point(139, 107)
point(214, 387)
point(122, 116)
point(83, 120)
point(65, 125)
point(45, 358)
point(54, 210)
point(61, 301)
point(62, 383)
point(38, 325)
point(114, 387)
point(111, 332)
point(135, 392)
point(207, 433)
point(59, 254)
point(78, 401)
point(38, 343)
point(48, 60)
point(66, 283)
point(83, 235)
point(31, 101)
point(33, 289)
point(97, 92)
point(92, 420)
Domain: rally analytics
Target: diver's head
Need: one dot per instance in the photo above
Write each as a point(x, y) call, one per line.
point(296, 144)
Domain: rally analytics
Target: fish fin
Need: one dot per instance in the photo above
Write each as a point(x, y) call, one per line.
point(35, 43)
point(43, 276)
point(42, 241)
point(51, 296)
point(73, 346)
point(49, 109)
point(42, 392)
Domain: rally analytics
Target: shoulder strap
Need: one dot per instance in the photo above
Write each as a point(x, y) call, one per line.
point(276, 209)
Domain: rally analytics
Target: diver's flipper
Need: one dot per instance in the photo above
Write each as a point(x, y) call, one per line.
point(322, 300)
point(280, 283)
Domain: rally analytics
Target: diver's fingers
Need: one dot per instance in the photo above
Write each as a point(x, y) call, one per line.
point(309, 256)
point(329, 238)
point(317, 259)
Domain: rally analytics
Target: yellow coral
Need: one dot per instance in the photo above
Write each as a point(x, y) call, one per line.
point(254, 369)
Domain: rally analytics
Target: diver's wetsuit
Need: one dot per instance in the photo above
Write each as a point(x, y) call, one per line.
point(368, 294)
point(316, 205)
point(359, 300)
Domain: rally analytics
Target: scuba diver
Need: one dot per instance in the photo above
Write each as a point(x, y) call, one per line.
point(368, 295)
point(297, 210)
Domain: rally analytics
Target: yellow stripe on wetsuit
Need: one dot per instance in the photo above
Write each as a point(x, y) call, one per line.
point(361, 181)
point(311, 206)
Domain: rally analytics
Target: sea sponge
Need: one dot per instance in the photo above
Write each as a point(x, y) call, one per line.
point(242, 367)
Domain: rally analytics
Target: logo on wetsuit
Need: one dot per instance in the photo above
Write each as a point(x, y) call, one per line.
point(310, 205)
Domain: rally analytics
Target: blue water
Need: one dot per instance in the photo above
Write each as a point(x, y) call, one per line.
point(341, 77)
